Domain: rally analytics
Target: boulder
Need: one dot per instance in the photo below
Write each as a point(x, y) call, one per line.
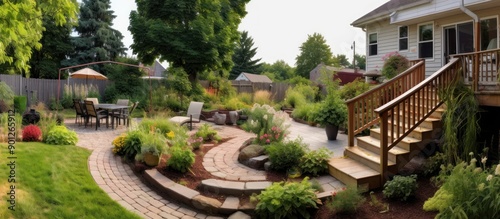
point(253, 150)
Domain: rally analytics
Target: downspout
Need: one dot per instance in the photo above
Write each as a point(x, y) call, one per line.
point(477, 33)
point(476, 22)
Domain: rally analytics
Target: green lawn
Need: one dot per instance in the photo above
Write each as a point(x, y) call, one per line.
point(54, 182)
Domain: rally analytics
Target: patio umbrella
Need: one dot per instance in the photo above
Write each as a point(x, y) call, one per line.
point(88, 73)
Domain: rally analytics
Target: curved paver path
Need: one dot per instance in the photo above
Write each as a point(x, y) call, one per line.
point(118, 180)
point(123, 186)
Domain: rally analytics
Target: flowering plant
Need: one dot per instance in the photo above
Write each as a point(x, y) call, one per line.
point(267, 123)
point(119, 144)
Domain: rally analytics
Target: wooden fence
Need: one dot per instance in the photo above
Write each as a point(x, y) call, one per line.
point(45, 90)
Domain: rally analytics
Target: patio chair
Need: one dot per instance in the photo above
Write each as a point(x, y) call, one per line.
point(98, 115)
point(93, 99)
point(193, 115)
point(121, 102)
point(125, 115)
point(80, 111)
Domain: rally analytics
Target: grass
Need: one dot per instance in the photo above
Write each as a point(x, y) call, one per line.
point(54, 182)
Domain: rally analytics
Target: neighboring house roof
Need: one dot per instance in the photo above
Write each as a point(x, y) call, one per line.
point(386, 9)
point(158, 69)
point(255, 78)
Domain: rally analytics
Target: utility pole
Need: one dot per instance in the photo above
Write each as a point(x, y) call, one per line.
point(353, 47)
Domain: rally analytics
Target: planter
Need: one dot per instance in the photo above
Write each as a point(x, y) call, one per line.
point(331, 131)
point(207, 114)
point(150, 159)
point(231, 116)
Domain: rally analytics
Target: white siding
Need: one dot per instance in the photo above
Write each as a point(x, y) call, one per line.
point(388, 39)
point(433, 7)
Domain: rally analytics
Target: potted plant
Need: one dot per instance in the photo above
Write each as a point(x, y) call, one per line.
point(153, 146)
point(332, 113)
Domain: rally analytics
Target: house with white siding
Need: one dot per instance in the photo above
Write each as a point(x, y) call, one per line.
point(433, 30)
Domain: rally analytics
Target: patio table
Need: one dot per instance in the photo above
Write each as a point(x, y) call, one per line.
point(110, 108)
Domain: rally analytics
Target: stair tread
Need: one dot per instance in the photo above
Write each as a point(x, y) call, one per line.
point(368, 155)
point(417, 129)
point(376, 142)
point(353, 168)
point(406, 139)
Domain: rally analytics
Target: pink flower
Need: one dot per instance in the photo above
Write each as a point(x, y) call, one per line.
point(277, 136)
point(268, 141)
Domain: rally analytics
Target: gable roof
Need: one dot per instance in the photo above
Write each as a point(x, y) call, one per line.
point(257, 78)
point(386, 9)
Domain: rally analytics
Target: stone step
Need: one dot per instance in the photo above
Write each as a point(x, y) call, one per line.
point(235, 188)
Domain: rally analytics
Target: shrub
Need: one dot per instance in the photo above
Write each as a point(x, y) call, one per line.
point(401, 187)
point(60, 135)
point(468, 191)
point(246, 98)
point(6, 95)
point(119, 144)
point(161, 125)
point(284, 155)
point(195, 142)
point(433, 164)
point(46, 123)
point(274, 135)
point(132, 144)
point(262, 97)
point(315, 162)
point(286, 200)
point(234, 103)
point(208, 133)
point(353, 89)
point(394, 64)
point(346, 201)
point(293, 98)
point(181, 159)
point(20, 103)
point(32, 133)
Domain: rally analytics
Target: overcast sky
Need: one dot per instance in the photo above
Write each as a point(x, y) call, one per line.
point(279, 27)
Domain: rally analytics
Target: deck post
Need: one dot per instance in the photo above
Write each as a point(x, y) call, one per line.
point(384, 132)
point(350, 124)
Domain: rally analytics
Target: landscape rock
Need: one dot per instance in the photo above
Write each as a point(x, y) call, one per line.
point(253, 150)
point(205, 203)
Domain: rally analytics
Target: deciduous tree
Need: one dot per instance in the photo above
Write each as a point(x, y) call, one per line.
point(313, 52)
point(197, 35)
point(21, 27)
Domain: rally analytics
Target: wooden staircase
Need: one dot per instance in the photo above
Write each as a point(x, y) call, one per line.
point(403, 116)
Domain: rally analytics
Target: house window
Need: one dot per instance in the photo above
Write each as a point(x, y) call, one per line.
point(426, 41)
point(372, 44)
point(465, 40)
point(489, 34)
point(403, 38)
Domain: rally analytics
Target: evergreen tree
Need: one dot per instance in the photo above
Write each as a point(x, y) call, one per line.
point(242, 57)
point(313, 52)
point(96, 40)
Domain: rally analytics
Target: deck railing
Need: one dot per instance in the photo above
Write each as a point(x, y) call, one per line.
point(480, 68)
point(361, 108)
point(408, 110)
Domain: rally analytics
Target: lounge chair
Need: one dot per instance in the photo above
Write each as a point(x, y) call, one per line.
point(193, 115)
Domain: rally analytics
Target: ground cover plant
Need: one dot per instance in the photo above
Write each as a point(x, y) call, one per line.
point(54, 182)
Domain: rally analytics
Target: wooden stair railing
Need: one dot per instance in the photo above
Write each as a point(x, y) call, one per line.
point(411, 109)
point(361, 114)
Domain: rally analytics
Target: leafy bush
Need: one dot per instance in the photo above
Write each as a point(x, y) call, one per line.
point(293, 98)
point(195, 142)
point(468, 191)
point(401, 187)
point(119, 144)
point(394, 64)
point(46, 123)
point(315, 162)
point(353, 89)
point(181, 159)
point(346, 201)
point(20, 103)
point(32, 133)
point(332, 111)
point(208, 133)
point(433, 164)
point(132, 144)
point(286, 200)
point(287, 154)
point(246, 98)
point(6, 95)
point(262, 97)
point(153, 142)
point(306, 112)
point(60, 135)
